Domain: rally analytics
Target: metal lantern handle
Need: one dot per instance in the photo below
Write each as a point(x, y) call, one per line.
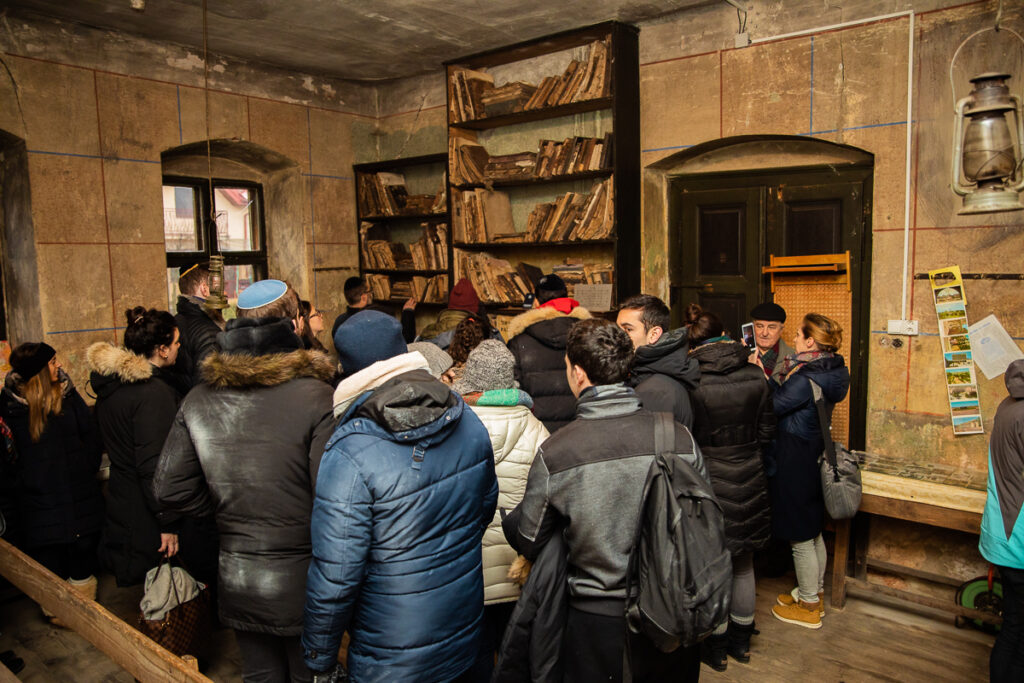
point(1017, 115)
point(958, 144)
point(998, 29)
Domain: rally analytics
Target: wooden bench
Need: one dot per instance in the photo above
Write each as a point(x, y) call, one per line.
point(132, 651)
point(938, 505)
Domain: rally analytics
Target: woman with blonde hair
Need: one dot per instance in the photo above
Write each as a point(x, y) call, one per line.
point(58, 496)
point(798, 507)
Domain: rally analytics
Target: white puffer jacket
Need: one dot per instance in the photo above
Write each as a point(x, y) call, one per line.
point(515, 437)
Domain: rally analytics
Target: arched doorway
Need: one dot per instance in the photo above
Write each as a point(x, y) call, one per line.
point(729, 204)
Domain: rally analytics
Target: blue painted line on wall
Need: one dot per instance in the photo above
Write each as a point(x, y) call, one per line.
point(662, 149)
point(811, 122)
point(181, 138)
point(92, 156)
point(93, 329)
point(869, 125)
point(325, 175)
point(312, 207)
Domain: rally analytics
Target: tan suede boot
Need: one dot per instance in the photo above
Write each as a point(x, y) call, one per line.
point(791, 597)
point(84, 587)
point(800, 613)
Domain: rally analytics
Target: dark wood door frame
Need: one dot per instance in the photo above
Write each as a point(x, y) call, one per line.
point(857, 239)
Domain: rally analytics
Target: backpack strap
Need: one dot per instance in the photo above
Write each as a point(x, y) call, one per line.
point(664, 445)
point(826, 428)
point(664, 434)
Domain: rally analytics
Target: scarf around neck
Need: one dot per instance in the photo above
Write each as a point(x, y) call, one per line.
point(792, 364)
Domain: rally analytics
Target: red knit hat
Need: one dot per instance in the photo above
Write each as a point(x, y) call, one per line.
point(463, 297)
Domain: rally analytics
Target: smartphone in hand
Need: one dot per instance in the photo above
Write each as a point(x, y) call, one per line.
point(747, 332)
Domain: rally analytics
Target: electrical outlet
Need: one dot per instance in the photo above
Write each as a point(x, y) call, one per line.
point(905, 327)
point(742, 39)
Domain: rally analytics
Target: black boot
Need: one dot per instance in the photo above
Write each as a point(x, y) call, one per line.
point(712, 651)
point(739, 641)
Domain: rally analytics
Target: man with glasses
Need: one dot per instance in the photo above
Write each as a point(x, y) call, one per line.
point(770, 349)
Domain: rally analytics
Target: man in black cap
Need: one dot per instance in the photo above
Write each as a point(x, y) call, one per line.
point(537, 340)
point(197, 327)
point(769, 319)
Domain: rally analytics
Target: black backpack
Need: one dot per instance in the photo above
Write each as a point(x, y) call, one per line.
point(679, 580)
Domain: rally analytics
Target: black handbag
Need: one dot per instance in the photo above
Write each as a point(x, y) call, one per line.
point(839, 468)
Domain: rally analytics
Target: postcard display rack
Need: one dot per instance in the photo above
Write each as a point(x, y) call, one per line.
point(404, 235)
point(544, 166)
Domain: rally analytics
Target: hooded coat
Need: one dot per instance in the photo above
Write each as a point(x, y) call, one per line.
point(57, 494)
point(245, 446)
point(134, 409)
point(537, 340)
point(798, 505)
point(733, 420)
point(515, 437)
point(406, 490)
point(663, 375)
point(1002, 524)
point(198, 340)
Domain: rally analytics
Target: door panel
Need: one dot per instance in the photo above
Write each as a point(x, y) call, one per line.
point(718, 241)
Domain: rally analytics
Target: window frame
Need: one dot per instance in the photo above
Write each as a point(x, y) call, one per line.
point(203, 192)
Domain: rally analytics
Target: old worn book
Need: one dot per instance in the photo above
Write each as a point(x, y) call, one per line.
point(497, 213)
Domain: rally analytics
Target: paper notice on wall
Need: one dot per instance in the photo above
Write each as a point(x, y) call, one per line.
point(957, 350)
point(993, 347)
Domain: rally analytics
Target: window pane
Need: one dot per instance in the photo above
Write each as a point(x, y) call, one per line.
point(181, 231)
point(172, 290)
point(236, 219)
point(813, 227)
point(720, 242)
point(237, 278)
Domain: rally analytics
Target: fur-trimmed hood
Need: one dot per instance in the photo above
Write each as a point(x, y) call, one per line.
point(522, 321)
point(106, 359)
point(238, 370)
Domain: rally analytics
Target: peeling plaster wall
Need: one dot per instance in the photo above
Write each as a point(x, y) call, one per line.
point(96, 110)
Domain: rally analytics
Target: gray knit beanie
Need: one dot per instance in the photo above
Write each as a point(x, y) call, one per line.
point(437, 358)
point(489, 366)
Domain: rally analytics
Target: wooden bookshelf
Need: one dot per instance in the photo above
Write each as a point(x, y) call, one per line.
point(409, 233)
point(585, 90)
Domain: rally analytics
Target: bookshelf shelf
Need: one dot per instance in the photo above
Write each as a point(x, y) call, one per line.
point(531, 115)
point(406, 217)
point(532, 181)
point(486, 246)
point(592, 69)
point(403, 271)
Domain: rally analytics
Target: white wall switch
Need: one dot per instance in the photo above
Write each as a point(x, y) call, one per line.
point(906, 327)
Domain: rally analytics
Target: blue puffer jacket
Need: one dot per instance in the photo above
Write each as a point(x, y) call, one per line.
point(405, 491)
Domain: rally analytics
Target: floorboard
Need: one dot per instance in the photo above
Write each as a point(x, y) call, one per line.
point(864, 642)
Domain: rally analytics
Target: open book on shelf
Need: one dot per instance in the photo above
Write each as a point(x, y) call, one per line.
point(473, 95)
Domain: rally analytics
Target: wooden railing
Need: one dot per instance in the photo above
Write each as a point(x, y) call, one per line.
point(132, 651)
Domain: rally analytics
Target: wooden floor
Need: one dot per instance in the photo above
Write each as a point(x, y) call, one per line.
point(864, 642)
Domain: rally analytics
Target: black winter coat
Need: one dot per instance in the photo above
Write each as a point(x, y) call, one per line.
point(798, 507)
point(245, 446)
point(663, 376)
point(135, 407)
point(198, 340)
point(537, 341)
point(58, 496)
point(733, 421)
point(531, 649)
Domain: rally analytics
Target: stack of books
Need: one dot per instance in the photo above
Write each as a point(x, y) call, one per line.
point(430, 252)
point(574, 216)
point(578, 83)
point(482, 215)
point(495, 280)
point(573, 155)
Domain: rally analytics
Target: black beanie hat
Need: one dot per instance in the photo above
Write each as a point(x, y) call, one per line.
point(29, 359)
point(768, 311)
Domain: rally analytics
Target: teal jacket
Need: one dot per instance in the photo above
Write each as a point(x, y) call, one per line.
point(1002, 529)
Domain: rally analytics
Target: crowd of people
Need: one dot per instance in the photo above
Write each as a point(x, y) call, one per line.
point(401, 491)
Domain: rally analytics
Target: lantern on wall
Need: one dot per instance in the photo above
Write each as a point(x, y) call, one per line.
point(216, 300)
point(985, 153)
